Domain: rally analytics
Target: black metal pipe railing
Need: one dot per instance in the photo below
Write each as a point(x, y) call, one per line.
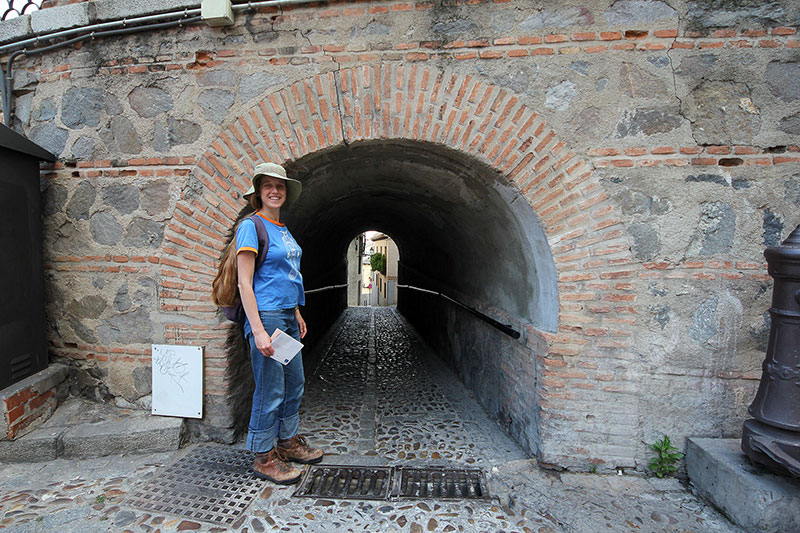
point(328, 288)
point(505, 328)
point(8, 74)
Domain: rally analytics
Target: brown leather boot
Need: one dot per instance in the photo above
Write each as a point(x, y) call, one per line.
point(272, 466)
point(296, 449)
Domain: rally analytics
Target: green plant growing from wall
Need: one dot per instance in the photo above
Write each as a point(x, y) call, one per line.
point(378, 262)
point(666, 457)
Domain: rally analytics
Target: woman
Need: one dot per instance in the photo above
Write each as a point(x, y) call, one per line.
point(271, 297)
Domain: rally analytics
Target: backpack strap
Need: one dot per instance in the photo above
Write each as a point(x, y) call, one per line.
point(263, 240)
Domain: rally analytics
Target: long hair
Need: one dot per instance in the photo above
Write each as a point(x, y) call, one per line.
point(225, 287)
point(255, 198)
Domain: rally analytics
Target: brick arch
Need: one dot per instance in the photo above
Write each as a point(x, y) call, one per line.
point(465, 113)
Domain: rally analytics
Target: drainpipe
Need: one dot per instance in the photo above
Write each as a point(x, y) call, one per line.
point(105, 29)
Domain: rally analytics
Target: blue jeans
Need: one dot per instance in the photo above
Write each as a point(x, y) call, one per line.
point(279, 388)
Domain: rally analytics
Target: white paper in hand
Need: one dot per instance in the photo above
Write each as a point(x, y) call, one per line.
point(285, 346)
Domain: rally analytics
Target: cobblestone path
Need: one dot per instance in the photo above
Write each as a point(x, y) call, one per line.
point(377, 397)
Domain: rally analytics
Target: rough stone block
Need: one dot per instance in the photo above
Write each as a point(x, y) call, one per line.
point(61, 17)
point(15, 29)
point(39, 445)
point(131, 435)
point(750, 496)
point(118, 9)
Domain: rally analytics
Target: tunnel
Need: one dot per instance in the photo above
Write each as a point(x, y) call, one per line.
point(462, 230)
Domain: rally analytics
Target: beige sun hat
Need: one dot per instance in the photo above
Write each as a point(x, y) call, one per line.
point(293, 187)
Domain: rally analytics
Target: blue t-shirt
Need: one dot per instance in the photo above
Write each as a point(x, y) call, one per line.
point(278, 284)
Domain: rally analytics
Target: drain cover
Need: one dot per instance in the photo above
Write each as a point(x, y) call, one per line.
point(383, 483)
point(210, 484)
point(440, 484)
point(346, 482)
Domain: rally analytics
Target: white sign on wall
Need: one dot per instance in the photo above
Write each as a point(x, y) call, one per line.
point(177, 381)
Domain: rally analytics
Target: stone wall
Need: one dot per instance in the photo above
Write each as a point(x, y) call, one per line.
point(656, 142)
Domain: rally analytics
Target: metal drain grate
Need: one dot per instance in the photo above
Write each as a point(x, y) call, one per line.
point(384, 483)
point(346, 482)
point(210, 484)
point(440, 484)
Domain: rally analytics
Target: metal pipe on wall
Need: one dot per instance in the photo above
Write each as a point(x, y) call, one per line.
point(118, 27)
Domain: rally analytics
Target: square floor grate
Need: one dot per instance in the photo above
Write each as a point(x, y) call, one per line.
point(346, 482)
point(384, 483)
point(210, 484)
point(440, 484)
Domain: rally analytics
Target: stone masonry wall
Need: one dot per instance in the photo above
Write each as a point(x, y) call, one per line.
point(657, 141)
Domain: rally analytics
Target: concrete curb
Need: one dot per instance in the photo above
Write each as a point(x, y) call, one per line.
point(750, 496)
point(81, 429)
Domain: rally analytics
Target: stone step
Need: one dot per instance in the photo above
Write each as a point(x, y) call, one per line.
point(83, 429)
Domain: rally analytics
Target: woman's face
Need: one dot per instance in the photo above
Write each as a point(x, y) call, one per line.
point(273, 192)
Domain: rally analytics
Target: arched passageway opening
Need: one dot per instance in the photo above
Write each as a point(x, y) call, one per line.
point(461, 230)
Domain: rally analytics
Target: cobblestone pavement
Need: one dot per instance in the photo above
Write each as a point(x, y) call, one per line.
point(378, 397)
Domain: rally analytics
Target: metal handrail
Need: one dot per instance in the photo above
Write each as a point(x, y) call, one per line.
point(505, 328)
point(328, 288)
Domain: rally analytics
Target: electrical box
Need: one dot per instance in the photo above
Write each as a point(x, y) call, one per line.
point(217, 12)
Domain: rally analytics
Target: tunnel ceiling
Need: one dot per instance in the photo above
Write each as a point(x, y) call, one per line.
point(456, 222)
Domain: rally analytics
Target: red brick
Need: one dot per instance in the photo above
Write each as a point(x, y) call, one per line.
point(746, 150)
point(710, 44)
point(666, 34)
point(542, 51)
point(783, 31)
point(518, 52)
point(663, 150)
point(683, 45)
point(529, 40)
point(20, 398)
point(504, 41)
point(584, 36)
point(41, 399)
point(15, 414)
point(722, 34)
point(595, 49)
point(636, 34)
point(622, 163)
point(768, 43)
point(555, 38)
point(754, 33)
point(691, 150)
point(610, 36)
point(603, 151)
point(491, 54)
point(718, 150)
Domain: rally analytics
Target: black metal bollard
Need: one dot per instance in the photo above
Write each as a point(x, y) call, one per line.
point(773, 438)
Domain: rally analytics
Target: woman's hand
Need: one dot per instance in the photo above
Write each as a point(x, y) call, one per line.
point(264, 343)
point(300, 322)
